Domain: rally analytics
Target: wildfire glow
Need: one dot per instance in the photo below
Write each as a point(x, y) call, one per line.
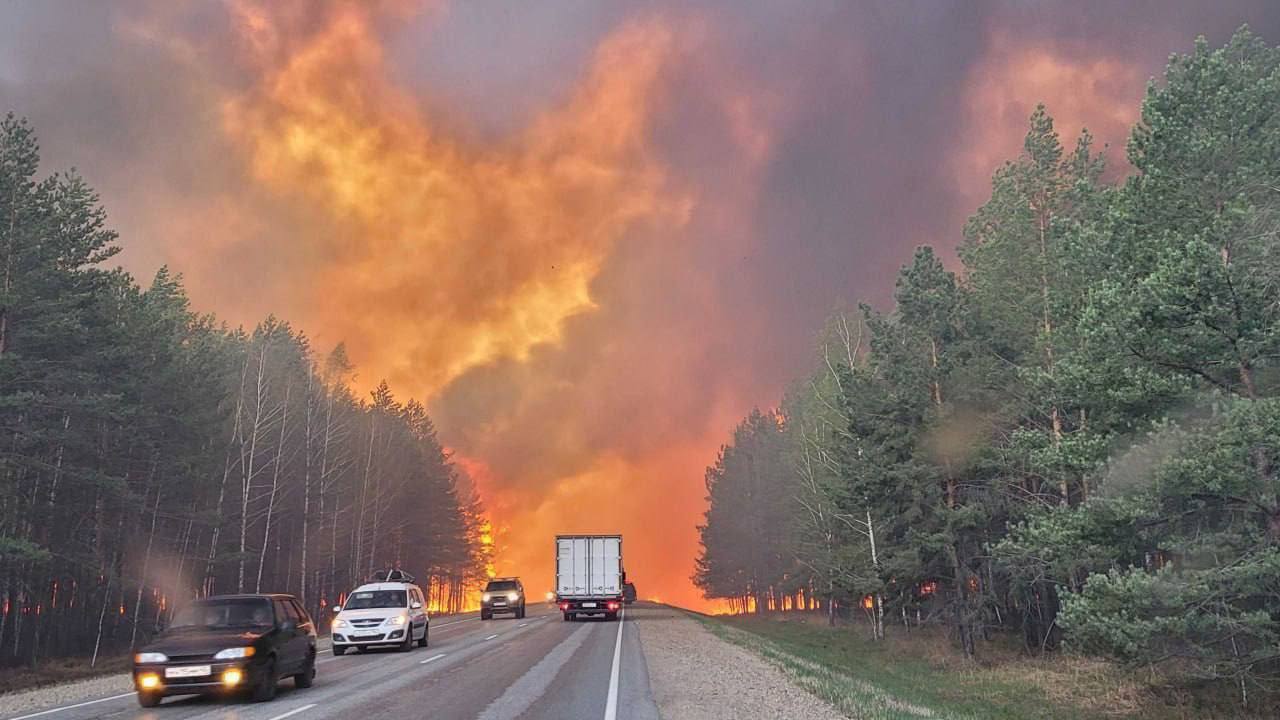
point(454, 255)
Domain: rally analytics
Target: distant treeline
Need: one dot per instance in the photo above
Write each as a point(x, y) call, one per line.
point(1077, 436)
point(150, 454)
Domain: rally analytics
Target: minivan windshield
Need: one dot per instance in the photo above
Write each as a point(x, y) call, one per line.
point(365, 599)
point(501, 585)
point(228, 613)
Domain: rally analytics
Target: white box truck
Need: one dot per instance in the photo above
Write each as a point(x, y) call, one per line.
point(589, 575)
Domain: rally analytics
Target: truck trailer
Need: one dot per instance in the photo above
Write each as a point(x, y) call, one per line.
point(589, 575)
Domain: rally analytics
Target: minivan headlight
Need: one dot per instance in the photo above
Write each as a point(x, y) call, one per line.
point(150, 657)
point(234, 653)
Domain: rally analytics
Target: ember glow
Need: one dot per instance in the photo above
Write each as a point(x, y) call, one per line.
point(591, 241)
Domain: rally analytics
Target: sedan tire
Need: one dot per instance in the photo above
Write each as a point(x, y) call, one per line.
point(149, 699)
point(265, 690)
point(307, 677)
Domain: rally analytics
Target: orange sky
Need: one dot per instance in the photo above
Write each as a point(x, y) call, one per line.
point(447, 256)
point(591, 256)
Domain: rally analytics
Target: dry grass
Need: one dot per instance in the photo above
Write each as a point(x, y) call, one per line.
point(53, 672)
point(924, 667)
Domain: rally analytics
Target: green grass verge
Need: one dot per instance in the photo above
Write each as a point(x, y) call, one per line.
point(887, 681)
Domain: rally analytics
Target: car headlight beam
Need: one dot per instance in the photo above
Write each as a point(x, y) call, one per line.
point(234, 653)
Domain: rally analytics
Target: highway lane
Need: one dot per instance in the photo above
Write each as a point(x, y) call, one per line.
point(538, 667)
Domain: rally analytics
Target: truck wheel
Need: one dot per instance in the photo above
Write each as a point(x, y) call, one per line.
point(568, 617)
point(520, 613)
point(611, 616)
point(485, 616)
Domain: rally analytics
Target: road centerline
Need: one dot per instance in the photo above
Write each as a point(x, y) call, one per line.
point(433, 658)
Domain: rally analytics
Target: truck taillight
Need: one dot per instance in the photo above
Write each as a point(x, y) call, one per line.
point(613, 606)
point(564, 606)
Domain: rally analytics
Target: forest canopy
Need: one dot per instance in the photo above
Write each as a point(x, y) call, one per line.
point(150, 454)
point(1073, 437)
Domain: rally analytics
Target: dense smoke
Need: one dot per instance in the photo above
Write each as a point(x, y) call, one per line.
point(591, 239)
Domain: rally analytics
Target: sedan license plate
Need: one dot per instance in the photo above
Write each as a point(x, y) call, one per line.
point(188, 671)
point(588, 604)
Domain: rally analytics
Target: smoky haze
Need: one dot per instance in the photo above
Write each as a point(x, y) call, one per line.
point(591, 238)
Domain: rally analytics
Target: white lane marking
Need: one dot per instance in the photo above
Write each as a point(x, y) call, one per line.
point(72, 707)
point(433, 658)
point(293, 712)
point(531, 686)
point(522, 624)
point(456, 622)
point(611, 705)
point(491, 637)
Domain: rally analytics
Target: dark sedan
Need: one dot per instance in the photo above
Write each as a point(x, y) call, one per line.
point(228, 644)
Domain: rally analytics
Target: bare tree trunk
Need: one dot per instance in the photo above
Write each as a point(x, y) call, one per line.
point(207, 586)
point(306, 486)
point(364, 492)
point(247, 466)
point(275, 486)
point(146, 561)
point(102, 616)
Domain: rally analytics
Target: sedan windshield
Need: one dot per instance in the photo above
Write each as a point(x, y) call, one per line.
point(231, 613)
point(376, 599)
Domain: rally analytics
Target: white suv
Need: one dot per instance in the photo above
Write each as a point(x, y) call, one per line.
point(381, 613)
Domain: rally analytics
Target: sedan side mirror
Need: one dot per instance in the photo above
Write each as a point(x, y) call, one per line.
point(416, 605)
point(337, 609)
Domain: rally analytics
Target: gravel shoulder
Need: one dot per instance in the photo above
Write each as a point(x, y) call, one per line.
point(26, 701)
point(697, 676)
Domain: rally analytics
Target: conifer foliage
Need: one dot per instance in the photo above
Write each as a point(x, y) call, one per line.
point(150, 454)
point(1074, 437)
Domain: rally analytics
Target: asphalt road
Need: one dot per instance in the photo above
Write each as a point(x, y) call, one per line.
point(536, 668)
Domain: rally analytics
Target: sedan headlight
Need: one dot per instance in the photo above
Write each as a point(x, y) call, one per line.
point(235, 653)
point(513, 596)
point(150, 657)
point(339, 623)
point(396, 620)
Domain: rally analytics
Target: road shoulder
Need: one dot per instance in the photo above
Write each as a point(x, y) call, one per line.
point(697, 676)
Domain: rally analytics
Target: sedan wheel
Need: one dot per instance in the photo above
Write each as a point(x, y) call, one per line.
point(149, 699)
point(266, 688)
point(425, 632)
point(307, 677)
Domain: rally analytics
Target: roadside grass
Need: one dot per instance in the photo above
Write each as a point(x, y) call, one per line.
point(60, 670)
point(919, 675)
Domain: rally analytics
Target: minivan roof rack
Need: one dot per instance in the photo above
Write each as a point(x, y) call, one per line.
point(394, 575)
